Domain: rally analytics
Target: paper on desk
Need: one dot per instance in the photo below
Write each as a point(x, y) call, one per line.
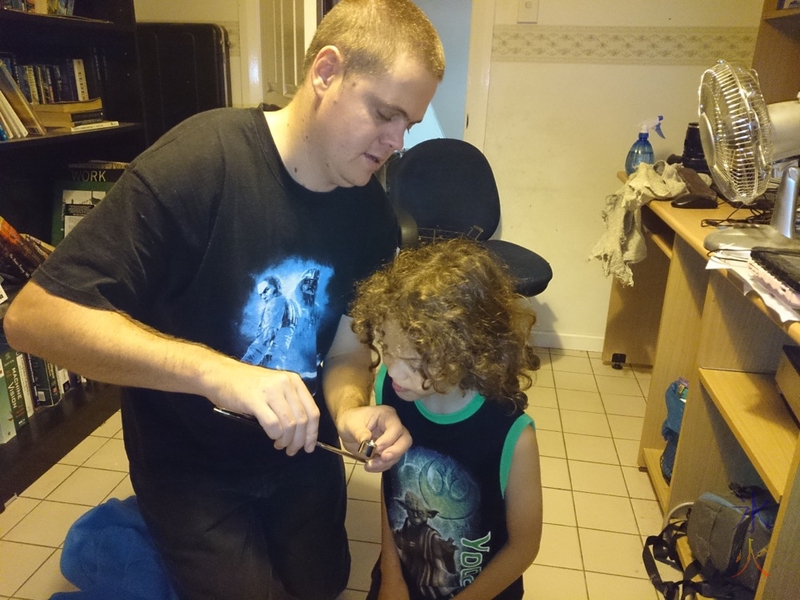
point(736, 261)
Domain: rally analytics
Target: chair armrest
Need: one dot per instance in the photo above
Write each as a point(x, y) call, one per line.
point(409, 233)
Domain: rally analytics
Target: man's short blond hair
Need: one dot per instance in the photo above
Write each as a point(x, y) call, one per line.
point(373, 34)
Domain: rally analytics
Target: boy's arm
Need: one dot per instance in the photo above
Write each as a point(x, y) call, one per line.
point(393, 586)
point(524, 521)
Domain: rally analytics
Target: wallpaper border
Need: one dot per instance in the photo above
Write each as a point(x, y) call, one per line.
point(623, 45)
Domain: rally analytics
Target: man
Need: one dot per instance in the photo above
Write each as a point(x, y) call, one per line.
point(156, 290)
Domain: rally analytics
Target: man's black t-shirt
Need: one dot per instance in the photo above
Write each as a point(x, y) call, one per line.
point(206, 237)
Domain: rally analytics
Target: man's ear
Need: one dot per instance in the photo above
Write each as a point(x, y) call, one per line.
point(328, 64)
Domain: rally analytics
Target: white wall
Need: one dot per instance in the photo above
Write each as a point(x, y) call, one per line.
point(565, 97)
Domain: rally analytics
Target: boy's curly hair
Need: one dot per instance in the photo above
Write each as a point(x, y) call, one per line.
point(457, 307)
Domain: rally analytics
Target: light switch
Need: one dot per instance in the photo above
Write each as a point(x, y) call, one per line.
point(528, 11)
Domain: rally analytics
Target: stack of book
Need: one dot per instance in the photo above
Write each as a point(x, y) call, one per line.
point(26, 382)
point(73, 116)
point(17, 119)
point(34, 98)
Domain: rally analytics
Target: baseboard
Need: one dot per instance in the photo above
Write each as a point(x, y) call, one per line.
point(552, 339)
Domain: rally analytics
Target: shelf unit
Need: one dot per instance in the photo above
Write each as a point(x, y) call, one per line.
point(777, 53)
point(103, 33)
point(736, 426)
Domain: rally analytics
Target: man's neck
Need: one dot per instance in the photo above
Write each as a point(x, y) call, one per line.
point(294, 139)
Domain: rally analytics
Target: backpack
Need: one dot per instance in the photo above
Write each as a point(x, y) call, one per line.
point(728, 535)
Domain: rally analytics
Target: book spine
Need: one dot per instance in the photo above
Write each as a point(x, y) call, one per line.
point(53, 381)
point(25, 382)
point(58, 82)
point(93, 125)
point(8, 362)
point(11, 118)
point(21, 76)
point(81, 86)
point(7, 428)
point(30, 76)
point(46, 395)
point(68, 82)
point(17, 249)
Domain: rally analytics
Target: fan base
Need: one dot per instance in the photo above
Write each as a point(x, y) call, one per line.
point(747, 237)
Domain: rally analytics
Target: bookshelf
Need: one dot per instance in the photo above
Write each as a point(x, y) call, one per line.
point(103, 34)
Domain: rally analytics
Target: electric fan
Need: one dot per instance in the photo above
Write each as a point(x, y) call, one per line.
point(737, 137)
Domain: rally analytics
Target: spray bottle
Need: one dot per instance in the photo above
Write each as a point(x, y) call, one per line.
point(642, 150)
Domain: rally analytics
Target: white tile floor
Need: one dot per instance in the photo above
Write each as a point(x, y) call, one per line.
point(598, 506)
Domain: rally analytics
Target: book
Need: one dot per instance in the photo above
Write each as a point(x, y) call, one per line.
point(99, 171)
point(21, 77)
point(79, 73)
point(73, 199)
point(43, 249)
point(11, 121)
point(67, 82)
point(59, 120)
point(86, 127)
point(25, 382)
point(17, 251)
point(71, 107)
point(30, 76)
point(11, 381)
point(7, 428)
point(20, 104)
point(44, 381)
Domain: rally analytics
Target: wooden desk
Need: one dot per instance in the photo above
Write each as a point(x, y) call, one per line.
point(736, 427)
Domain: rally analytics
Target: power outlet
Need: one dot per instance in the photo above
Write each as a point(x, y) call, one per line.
point(528, 11)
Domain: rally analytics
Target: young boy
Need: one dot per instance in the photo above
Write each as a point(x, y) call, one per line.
point(462, 510)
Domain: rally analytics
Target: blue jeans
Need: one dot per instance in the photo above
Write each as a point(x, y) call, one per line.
point(245, 535)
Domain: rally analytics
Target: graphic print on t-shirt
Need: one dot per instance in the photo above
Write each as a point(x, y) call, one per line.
point(435, 518)
point(282, 316)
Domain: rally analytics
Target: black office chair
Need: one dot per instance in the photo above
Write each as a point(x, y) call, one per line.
point(444, 188)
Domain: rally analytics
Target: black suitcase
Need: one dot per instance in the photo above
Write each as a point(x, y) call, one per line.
point(185, 70)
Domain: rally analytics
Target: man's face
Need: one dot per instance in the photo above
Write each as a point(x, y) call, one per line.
point(266, 292)
point(365, 119)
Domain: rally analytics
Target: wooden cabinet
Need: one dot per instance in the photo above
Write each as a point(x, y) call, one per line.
point(736, 427)
point(777, 53)
point(103, 34)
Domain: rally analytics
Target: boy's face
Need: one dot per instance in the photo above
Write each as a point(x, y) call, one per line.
point(366, 119)
point(403, 364)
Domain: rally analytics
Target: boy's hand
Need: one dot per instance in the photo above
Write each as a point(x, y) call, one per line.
point(378, 423)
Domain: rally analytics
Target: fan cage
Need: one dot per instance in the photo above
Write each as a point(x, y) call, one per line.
point(739, 131)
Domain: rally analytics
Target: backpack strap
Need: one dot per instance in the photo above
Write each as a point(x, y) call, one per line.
point(663, 548)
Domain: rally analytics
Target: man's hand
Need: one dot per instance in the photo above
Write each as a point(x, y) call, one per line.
point(278, 399)
point(379, 423)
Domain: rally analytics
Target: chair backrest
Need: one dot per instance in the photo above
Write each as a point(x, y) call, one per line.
point(448, 187)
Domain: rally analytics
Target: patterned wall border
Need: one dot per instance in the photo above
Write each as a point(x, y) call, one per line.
point(623, 45)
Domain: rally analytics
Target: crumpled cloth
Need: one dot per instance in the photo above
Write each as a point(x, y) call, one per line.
point(109, 555)
point(623, 242)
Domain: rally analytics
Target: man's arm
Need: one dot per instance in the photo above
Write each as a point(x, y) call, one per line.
point(111, 347)
point(346, 381)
